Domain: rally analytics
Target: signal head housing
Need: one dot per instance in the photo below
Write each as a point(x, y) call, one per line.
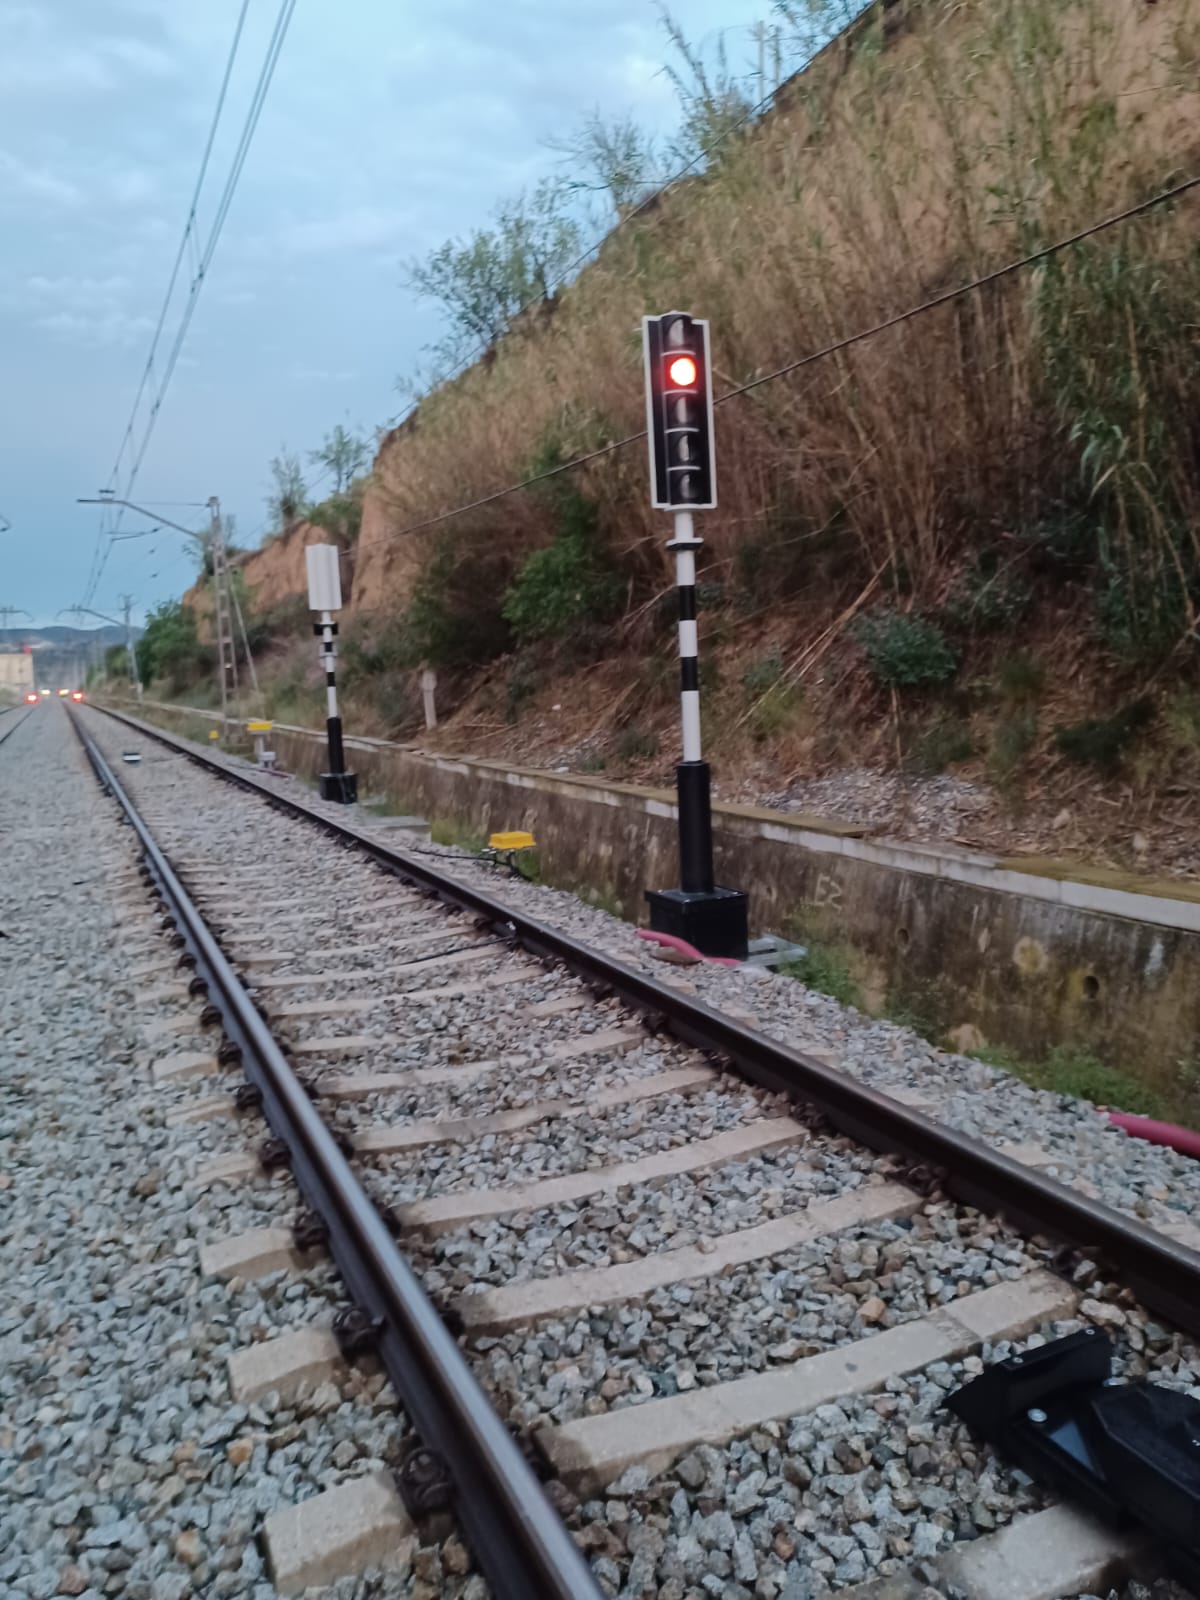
point(679, 412)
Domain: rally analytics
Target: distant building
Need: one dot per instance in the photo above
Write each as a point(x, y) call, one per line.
point(16, 670)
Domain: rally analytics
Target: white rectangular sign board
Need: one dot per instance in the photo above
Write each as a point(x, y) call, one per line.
point(324, 578)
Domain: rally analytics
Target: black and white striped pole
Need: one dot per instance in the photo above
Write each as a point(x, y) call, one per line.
point(325, 596)
point(683, 479)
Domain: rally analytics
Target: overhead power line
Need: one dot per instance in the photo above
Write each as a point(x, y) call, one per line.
point(202, 262)
point(187, 236)
point(836, 347)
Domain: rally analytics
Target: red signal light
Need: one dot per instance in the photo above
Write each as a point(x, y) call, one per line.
point(682, 371)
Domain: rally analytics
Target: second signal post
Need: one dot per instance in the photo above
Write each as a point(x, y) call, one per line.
point(683, 479)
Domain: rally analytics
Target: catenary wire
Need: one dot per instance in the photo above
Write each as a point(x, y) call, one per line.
point(188, 234)
point(266, 74)
point(223, 206)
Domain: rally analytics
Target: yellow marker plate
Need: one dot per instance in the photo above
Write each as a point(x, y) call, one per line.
point(259, 727)
point(213, 733)
point(511, 841)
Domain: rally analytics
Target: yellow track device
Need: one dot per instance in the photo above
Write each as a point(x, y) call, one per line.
point(511, 841)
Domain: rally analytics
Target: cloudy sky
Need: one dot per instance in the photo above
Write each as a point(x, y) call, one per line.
point(391, 125)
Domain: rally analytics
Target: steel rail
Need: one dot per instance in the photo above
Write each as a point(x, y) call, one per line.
point(521, 1544)
point(13, 726)
point(1164, 1273)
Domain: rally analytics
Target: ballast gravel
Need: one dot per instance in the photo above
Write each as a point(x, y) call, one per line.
point(751, 1319)
point(1146, 1181)
point(568, 1145)
point(125, 1467)
point(864, 1488)
point(520, 1080)
point(779, 1514)
point(670, 1214)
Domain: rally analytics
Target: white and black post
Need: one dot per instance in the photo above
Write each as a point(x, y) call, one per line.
point(325, 596)
point(692, 775)
point(683, 479)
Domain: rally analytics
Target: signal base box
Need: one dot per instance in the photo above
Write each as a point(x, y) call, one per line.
point(716, 923)
point(340, 787)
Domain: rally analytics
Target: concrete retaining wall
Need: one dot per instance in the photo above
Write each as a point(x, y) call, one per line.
point(1025, 953)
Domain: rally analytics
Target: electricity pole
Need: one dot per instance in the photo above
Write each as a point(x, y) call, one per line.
point(223, 615)
point(131, 652)
point(86, 611)
point(225, 599)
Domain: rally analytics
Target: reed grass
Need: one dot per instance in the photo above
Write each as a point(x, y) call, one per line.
point(929, 144)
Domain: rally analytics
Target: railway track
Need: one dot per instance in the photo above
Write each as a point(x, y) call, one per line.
point(716, 1286)
point(7, 729)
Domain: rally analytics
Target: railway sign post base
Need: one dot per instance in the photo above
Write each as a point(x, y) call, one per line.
point(713, 921)
point(340, 787)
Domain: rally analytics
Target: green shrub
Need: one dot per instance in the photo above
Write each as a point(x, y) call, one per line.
point(447, 831)
point(1101, 741)
point(1012, 739)
point(169, 649)
point(455, 617)
point(906, 650)
point(787, 555)
point(919, 1010)
point(368, 652)
point(287, 619)
point(634, 745)
point(940, 745)
point(1020, 678)
point(825, 968)
point(1142, 615)
point(572, 582)
point(775, 710)
point(116, 661)
point(1062, 542)
point(519, 688)
point(764, 672)
point(559, 588)
point(1075, 1073)
point(1181, 719)
point(1107, 317)
point(340, 515)
point(987, 597)
point(1083, 1077)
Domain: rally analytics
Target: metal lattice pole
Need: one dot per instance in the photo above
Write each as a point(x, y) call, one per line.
point(226, 651)
point(130, 647)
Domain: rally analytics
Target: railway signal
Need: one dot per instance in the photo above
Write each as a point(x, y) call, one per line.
point(683, 479)
point(325, 596)
point(679, 413)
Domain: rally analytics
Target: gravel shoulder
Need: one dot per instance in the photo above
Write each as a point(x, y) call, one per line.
point(125, 1468)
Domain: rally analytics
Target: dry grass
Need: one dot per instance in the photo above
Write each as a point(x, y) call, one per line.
point(1058, 404)
point(892, 169)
